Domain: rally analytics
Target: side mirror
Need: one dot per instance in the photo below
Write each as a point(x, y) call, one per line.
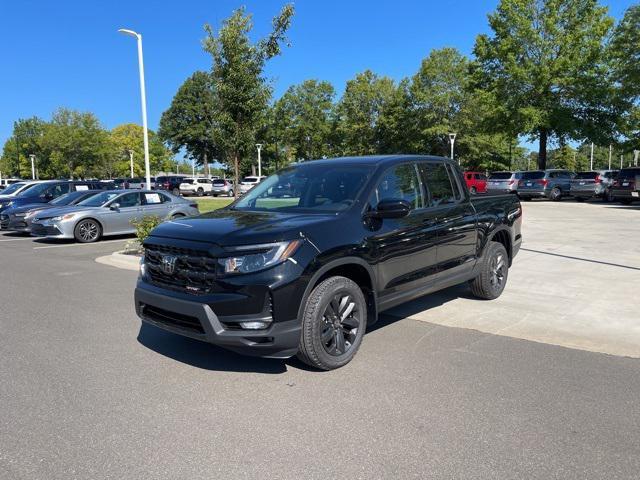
point(392, 208)
point(114, 206)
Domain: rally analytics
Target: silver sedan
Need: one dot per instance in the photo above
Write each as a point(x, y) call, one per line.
point(109, 213)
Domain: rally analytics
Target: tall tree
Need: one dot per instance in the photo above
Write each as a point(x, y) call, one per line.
point(306, 111)
point(545, 63)
point(128, 138)
point(358, 113)
point(241, 91)
point(26, 140)
point(189, 122)
point(75, 144)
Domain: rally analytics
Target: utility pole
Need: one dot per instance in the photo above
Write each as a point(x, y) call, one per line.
point(621, 161)
point(610, 151)
point(452, 139)
point(259, 147)
point(131, 161)
point(33, 166)
point(635, 157)
point(591, 161)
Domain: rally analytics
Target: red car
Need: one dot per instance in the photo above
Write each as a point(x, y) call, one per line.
point(476, 182)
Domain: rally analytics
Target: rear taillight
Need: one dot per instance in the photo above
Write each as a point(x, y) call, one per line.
point(511, 182)
point(543, 182)
point(598, 179)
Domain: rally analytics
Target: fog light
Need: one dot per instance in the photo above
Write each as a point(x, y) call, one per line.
point(254, 325)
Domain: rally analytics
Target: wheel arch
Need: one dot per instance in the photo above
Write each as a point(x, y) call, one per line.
point(353, 268)
point(502, 235)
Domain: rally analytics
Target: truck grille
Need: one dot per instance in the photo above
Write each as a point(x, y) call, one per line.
point(172, 319)
point(193, 271)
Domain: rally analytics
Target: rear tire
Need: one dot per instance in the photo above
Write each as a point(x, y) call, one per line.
point(555, 195)
point(230, 193)
point(494, 272)
point(87, 231)
point(333, 324)
point(200, 192)
point(176, 192)
point(473, 190)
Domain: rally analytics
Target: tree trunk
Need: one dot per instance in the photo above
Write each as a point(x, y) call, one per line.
point(205, 162)
point(542, 151)
point(236, 173)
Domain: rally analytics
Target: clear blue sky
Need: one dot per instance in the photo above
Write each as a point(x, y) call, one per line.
point(68, 53)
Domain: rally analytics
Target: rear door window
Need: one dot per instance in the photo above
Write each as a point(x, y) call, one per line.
point(441, 189)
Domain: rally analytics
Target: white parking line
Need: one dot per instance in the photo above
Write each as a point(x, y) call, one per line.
point(81, 244)
point(16, 239)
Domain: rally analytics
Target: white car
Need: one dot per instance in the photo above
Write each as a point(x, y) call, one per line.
point(248, 183)
point(196, 186)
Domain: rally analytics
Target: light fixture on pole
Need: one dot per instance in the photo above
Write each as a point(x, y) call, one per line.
point(131, 161)
point(33, 166)
point(259, 147)
point(143, 99)
point(452, 139)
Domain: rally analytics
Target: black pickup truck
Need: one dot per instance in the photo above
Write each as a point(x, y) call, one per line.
point(306, 273)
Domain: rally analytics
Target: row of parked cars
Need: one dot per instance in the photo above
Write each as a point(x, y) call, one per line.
point(184, 185)
point(610, 185)
point(83, 210)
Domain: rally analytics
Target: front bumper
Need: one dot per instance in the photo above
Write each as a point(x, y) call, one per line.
point(18, 224)
point(49, 229)
point(199, 320)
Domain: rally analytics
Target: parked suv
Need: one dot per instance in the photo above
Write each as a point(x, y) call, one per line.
point(170, 183)
point(503, 182)
point(626, 187)
point(551, 184)
point(195, 186)
point(248, 183)
point(476, 182)
point(594, 184)
point(277, 276)
point(46, 190)
point(221, 186)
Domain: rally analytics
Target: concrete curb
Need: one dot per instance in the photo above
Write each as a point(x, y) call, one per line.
point(120, 260)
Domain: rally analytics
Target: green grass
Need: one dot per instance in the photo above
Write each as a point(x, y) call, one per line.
point(208, 204)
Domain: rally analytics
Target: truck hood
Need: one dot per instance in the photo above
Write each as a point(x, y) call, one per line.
point(234, 227)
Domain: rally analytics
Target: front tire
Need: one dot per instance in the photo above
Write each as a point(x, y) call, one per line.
point(490, 283)
point(176, 192)
point(87, 231)
point(333, 324)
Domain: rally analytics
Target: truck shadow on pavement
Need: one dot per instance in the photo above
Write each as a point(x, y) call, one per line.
point(211, 357)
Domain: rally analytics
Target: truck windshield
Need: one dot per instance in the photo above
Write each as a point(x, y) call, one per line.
point(307, 188)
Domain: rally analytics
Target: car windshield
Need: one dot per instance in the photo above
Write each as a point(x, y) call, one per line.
point(71, 197)
point(13, 188)
point(313, 188)
point(500, 175)
point(98, 200)
point(532, 175)
point(586, 175)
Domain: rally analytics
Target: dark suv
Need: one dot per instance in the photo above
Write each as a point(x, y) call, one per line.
point(307, 273)
point(170, 183)
point(551, 184)
point(626, 187)
point(45, 191)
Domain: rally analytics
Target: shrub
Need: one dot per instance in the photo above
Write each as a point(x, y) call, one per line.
point(144, 226)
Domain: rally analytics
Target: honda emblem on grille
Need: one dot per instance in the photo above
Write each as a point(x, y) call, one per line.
point(169, 264)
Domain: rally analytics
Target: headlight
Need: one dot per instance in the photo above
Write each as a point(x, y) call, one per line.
point(68, 216)
point(30, 214)
point(20, 215)
point(143, 269)
point(260, 256)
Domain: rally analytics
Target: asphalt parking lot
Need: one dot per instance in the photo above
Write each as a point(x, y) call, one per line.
point(445, 387)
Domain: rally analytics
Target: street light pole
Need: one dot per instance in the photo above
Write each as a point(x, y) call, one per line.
point(33, 166)
point(259, 147)
point(143, 99)
point(131, 161)
point(591, 162)
point(610, 151)
point(452, 139)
